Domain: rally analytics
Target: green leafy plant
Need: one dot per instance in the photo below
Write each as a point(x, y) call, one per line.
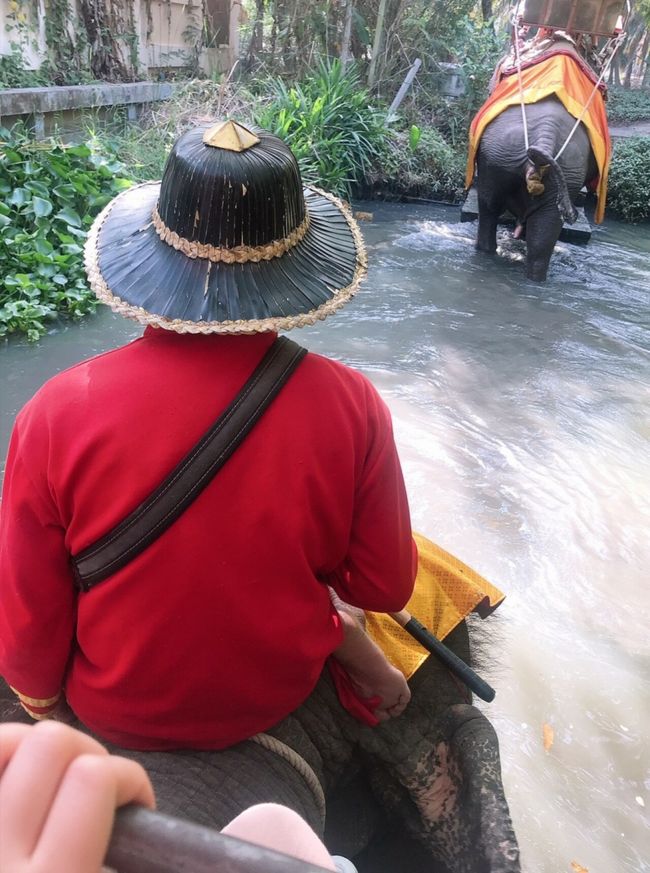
point(14, 73)
point(475, 47)
point(329, 123)
point(627, 105)
point(628, 192)
point(415, 134)
point(49, 195)
point(434, 170)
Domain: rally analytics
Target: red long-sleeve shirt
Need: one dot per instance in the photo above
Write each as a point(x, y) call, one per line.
point(221, 627)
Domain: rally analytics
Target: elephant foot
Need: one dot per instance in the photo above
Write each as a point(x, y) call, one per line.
point(486, 249)
point(537, 273)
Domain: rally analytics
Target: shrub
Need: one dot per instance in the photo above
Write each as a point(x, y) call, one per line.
point(49, 195)
point(626, 105)
point(143, 148)
point(475, 47)
point(14, 73)
point(628, 190)
point(330, 125)
point(419, 165)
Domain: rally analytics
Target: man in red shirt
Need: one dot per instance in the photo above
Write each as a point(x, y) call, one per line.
point(223, 625)
point(202, 650)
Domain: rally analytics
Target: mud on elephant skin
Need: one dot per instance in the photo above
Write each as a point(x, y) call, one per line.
point(421, 792)
point(537, 189)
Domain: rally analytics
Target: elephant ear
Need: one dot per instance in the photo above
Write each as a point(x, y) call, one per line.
point(565, 207)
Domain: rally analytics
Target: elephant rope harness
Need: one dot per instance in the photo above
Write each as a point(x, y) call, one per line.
point(299, 764)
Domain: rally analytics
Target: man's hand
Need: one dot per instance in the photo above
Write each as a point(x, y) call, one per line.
point(370, 671)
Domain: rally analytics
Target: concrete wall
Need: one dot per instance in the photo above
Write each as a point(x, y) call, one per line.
point(167, 32)
point(15, 21)
point(63, 110)
point(173, 24)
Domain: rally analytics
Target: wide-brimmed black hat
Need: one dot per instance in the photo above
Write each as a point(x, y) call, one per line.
point(228, 242)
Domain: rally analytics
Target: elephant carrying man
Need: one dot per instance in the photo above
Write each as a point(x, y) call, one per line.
point(201, 648)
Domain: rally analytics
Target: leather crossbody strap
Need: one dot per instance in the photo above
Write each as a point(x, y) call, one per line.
point(186, 481)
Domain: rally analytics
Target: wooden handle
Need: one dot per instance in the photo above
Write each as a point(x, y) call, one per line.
point(150, 842)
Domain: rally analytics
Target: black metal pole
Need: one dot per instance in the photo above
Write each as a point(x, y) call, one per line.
point(432, 644)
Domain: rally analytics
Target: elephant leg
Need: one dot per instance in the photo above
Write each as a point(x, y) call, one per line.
point(436, 769)
point(450, 797)
point(472, 740)
point(488, 218)
point(542, 231)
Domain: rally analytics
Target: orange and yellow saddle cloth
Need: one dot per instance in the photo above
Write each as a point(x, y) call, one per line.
point(446, 592)
point(560, 75)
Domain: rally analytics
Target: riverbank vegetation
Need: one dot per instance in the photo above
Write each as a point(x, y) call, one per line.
point(629, 193)
point(343, 135)
point(627, 105)
point(49, 195)
point(323, 76)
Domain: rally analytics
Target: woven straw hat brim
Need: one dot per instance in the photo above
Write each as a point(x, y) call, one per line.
point(141, 277)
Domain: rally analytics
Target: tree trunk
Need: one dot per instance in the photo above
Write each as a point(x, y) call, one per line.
point(486, 9)
point(627, 68)
point(645, 61)
point(347, 32)
point(632, 46)
point(376, 45)
point(257, 34)
point(274, 29)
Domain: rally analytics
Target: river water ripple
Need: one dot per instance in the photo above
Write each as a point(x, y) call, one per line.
point(520, 412)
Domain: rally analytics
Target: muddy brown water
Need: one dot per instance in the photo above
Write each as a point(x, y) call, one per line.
point(521, 414)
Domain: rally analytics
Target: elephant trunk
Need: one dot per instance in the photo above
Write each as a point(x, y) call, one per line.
point(541, 160)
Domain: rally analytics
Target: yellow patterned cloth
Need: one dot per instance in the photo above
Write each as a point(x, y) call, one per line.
point(446, 591)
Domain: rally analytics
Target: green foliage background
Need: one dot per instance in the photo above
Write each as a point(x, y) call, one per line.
point(49, 195)
point(626, 106)
point(330, 123)
point(628, 192)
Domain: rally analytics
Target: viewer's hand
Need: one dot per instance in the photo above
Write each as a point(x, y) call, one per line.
point(58, 793)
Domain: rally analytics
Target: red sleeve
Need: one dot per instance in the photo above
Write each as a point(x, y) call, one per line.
point(379, 571)
point(37, 596)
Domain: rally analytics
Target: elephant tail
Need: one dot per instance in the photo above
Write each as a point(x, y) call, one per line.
point(541, 160)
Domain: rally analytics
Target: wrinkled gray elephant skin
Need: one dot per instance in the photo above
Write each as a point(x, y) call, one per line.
point(506, 170)
point(421, 792)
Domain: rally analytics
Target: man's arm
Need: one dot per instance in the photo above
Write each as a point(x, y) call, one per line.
point(379, 571)
point(37, 596)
